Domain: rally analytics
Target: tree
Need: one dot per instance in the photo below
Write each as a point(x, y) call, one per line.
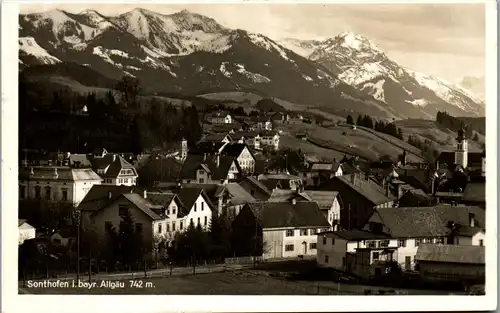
point(130, 243)
point(349, 120)
point(129, 88)
point(220, 235)
point(359, 121)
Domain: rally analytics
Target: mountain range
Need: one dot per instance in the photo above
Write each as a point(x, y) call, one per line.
point(192, 54)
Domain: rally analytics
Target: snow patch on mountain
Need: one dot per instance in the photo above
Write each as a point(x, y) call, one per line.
point(261, 41)
point(255, 77)
point(224, 70)
point(29, 46)
point(377, 89)
point(418, 102)
point(307, 77)
point(355, 76)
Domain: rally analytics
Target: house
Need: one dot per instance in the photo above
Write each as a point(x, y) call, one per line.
point(270, 139)
point(475, 194)
point(207, 148)
point(63, 238)
point(262, 122)
point(113, 168)
point(26, 231)
point(205, 169)
point(280, 195)
point(278, 229)
point(243, 156)
point(329, 203)
point(221, 117)
point(415, 198)
point(360, 196)
point(255, 188)
point(56, 183)
point(281, 181)
point(395, 234)
point(158, 170)
point(451, 263)
point(220, 137)
point(104, 212)
point(196, 209)
point(237, 197)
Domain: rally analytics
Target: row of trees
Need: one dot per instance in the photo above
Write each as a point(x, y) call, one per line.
point(429, 152)
point(453, 123)
point(113, 120)
point(380, 126)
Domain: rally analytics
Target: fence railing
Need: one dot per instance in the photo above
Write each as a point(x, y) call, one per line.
point(243, 260)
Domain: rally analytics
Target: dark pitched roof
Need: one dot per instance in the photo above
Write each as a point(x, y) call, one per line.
point(188, 196)
point(193, 162)
point(271, 183)
point(475, 192)
point(280, 195)
point(160, 170)
point(144, 205)
point(215, 137)
point(268, 133)
point(100, 196)
point(160, 198)
point(451, 254)
point(206, 147)
point(258, 184)
point(238, 194)
point(233, 149)
point(114, 164)
point(366, 188)
point(286, 214)
point(323, 198)
point(427, 221)
point(213, 191)
point(21, 221)
point(468, 231)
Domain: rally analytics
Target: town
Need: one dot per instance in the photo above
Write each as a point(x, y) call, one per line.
point(236, 196)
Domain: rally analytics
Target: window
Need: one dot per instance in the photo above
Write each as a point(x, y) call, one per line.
point(333, 241)
point(375, 256)
point(303, 232)
point(65, 194)
point(126, 180)
point(168, 211)
point(312, 246)
point(206, 221)
point(173, 210)
point(289, 233)
point(440, 240)
point(417, 242)
point(173, 226)
point(108, 226)
point(138, 228)
point(202, 206)
point(201, 180)
point(326, 259)
point(289, 248)
point(324, 240)
point(195, 206)
point(159, 228)
point(384, 243)
point(371, 244)
point(47, 192)
point(168, 227)
point(481, 242)
point(191, 222)
point(312, 232)
point(199, 223)
point(402, 243)
point(22, 191)
point(122, 210)
point(181, 226)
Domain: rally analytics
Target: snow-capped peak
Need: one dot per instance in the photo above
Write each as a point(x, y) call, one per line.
point(354, 41)
point(29, 46)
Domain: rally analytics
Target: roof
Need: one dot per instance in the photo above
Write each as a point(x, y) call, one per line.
point(258, 184)
point(160, 198)
point(206, 147)
point(322, 167)
point(323, 198)
point(79, 160)
point(286, 214)
point(114, 163)
point(100, 196)
point(213, 191)
point(280, 195)
point(366, 188)
point(194, 161)
point(21, 222)
point(143, 204)
point(215, 137)
point(238, 194)
point(451, 254)
point(475, 192)
point(271, 183)
point(268, 133)
point(356, 235)
point(160, 170)
point(188, 196)
point(468, 231)
point(234, 149)
point(57, 173)
point(406, 222)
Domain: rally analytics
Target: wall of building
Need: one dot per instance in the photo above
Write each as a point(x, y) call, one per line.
point(434, 271)
point(76, 191)
point(335, 251)
point(246, 161)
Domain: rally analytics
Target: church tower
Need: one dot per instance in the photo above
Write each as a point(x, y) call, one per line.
point(184, 149)
point(462, 150)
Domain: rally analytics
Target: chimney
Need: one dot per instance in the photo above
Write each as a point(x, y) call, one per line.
point(32, 172)
point(145, 194)
point(55, 172)
point(114, 157)
point(218, 160)
point(294, 201)
point(110, 194)
point(204, 157)
point(353, 178)
point(472, 220)
point(387, 190)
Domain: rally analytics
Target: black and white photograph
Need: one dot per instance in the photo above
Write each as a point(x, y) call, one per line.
point(254, 149)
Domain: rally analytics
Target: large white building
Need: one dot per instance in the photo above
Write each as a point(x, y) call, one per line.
point(26, 231)
point(394, 234)
point(56, 183)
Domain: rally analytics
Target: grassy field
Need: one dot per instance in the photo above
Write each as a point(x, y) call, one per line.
point(443, 138)
point(343, 139)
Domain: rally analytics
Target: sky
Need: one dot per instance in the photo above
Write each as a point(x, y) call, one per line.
point(442, 40)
